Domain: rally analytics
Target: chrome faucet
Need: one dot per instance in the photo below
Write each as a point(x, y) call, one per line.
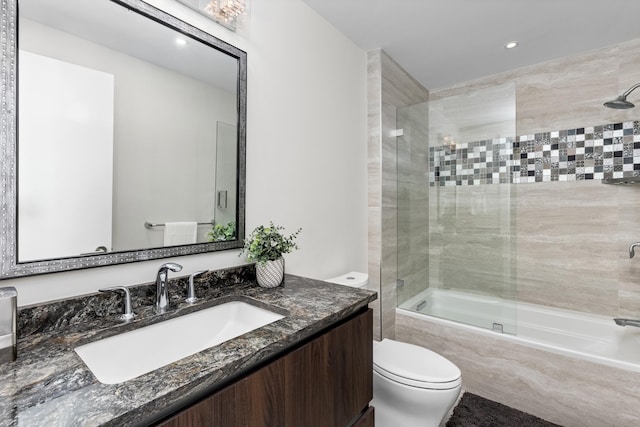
point(162, 294)
point(627, 322)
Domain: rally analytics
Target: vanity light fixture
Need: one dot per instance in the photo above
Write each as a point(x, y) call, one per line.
point(224, 12)
point(511, 45)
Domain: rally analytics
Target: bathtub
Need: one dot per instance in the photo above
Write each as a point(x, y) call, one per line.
point(570, 333)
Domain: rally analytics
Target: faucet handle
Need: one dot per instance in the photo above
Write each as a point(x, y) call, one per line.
point(128, 312)
point(171, 266)
point(191, 293)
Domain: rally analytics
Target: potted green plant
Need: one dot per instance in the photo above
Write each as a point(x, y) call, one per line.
point(266, 247)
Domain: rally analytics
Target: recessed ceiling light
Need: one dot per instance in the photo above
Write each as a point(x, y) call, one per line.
point(511, 45)
point(181, 42)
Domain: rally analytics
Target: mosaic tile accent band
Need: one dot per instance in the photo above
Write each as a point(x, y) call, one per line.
point(606, 151)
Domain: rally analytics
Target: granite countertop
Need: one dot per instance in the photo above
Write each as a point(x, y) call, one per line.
point(49, 385)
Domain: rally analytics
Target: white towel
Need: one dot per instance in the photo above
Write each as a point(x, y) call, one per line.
point(180, 233)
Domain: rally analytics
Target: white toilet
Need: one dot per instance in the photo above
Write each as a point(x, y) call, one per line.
point(412, 386)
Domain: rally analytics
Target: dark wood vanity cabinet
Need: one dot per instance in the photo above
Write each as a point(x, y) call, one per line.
point(325, 382)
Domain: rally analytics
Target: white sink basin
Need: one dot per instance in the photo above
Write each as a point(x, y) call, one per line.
point(128, 355)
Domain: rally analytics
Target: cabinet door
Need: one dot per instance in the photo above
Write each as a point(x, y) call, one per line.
point(329, 381)
point(253, 401)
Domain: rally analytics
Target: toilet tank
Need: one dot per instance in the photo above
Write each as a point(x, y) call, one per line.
point(353, 279)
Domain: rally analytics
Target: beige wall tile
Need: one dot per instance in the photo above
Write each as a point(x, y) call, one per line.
point(374, 128)
point(566, 256)
point(629, 305)
point(374, 264)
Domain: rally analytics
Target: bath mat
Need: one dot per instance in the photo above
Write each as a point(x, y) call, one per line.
point(475, 411)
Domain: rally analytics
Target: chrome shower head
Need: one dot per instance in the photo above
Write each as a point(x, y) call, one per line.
point(621, 103)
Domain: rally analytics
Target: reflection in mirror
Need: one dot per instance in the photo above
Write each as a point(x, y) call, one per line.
point(123, 121)
point(226, 153)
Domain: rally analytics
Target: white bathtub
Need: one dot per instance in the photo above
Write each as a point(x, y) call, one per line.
point(590, 337)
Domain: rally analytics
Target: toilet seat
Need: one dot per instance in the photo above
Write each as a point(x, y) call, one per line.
point(414, 366)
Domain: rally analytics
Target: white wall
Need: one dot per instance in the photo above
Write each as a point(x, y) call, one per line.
point(306, 149)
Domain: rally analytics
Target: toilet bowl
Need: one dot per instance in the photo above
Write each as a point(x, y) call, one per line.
point(412, 386)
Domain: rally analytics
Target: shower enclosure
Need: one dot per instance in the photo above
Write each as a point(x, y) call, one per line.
point(507, 222)
point(456, 226)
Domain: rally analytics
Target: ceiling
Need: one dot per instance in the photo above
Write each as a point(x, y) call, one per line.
point(445, 42)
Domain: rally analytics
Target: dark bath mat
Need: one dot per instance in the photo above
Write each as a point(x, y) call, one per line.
point(475, 411)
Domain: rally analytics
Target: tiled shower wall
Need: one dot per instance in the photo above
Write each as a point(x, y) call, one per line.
point(564, 243)
point(597, 152)
point(560, 243)
point(559, 237)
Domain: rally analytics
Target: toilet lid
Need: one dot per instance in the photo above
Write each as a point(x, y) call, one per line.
point(413, 365)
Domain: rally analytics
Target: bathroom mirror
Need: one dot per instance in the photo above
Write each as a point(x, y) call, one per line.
point(123, 136)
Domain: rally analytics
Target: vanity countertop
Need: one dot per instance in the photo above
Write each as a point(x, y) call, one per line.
point(49, 385)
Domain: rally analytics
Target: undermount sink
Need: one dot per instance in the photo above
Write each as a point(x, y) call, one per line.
point(128, 355)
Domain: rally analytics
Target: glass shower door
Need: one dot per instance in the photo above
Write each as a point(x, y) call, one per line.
point(456, 250)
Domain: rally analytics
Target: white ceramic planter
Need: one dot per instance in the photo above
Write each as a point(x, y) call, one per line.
point(271, 273)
